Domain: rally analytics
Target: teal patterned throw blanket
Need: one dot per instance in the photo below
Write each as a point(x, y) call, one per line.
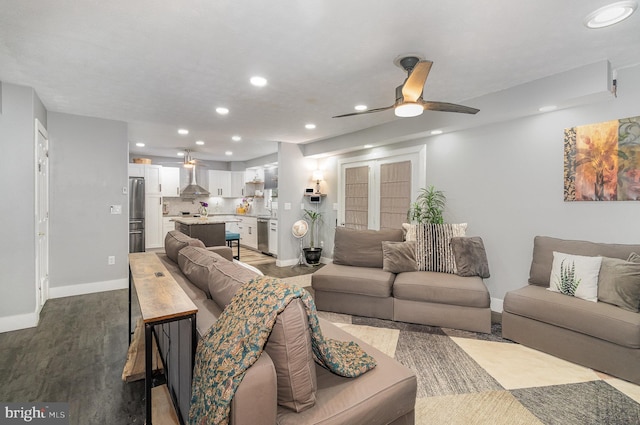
point(237, 339)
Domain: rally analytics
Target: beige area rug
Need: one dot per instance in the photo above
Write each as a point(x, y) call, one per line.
point(469, 378)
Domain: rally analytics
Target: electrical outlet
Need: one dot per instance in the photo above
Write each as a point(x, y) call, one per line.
point(111, 260)
point(335, 206)
point(301, 206)
point(287, 205)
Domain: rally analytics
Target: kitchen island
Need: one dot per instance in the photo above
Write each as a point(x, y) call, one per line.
point(209, 230)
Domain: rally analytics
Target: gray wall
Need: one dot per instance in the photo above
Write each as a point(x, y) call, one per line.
point(20, 106)
point(506, 181)
point(88, 159)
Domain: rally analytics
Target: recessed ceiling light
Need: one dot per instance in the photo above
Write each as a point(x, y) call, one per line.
point(140, 145)
point(367, 146)
point(610, 14)
point(222, 110)
point(180, 153)
point(199, 142)
point(547, 108)
point(309, 126)
point(183, 131)
point(434, 132)
point(236, 138)
point(228, 153)
point(258, 81)
point(360, 107)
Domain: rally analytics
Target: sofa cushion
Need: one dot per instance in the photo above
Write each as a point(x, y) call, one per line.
point(619, 283)
point(362, 248)
point(225, 277)
point(381, 395)
point(195, 262)
point(433, 251)
point(470, 256)
point(187, 286)
point(600, 320)
point(289, 347)
point(575, 275)
point(398, 257)
point(353, 280)
point(442, 288)
point(543, 247)
point(175, 241)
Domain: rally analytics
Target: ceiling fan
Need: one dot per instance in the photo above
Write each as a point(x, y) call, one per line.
point(409, 101)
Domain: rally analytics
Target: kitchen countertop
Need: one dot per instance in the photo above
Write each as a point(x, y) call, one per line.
point(213, 217)
point(200, 220)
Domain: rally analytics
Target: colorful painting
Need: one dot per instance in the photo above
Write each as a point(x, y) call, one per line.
point(602, 161)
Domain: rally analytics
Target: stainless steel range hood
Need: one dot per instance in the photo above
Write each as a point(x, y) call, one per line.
point(193, 190)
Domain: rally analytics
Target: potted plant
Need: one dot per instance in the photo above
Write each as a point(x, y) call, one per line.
point(312, 253)
point(428, 207)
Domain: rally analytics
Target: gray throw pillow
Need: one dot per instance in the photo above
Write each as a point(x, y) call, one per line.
point(634, 257)
point(471, 257)
point(619, 283)
point(399, 257)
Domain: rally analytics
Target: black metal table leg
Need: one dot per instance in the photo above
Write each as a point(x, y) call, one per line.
point(148, 373)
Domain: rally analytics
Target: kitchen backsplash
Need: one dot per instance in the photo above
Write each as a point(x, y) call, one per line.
point(175, 206)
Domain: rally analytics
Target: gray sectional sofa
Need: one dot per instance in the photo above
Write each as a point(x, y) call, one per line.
point(599, 335)
point(285, 386)
point(357, 283)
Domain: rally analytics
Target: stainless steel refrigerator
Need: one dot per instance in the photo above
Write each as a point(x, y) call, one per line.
point(136, 214)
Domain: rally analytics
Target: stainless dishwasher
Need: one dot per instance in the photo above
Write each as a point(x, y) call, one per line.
point(263, 235)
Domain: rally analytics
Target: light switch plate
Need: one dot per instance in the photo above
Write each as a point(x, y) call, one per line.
point(287, 205)
point(116, 209)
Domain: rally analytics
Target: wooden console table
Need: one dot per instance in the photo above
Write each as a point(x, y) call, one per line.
point(161, 301)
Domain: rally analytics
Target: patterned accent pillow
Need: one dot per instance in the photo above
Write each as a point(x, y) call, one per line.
point(433, 247)
point(575, 275)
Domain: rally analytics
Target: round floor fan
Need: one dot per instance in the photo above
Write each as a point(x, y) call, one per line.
point(299, 230)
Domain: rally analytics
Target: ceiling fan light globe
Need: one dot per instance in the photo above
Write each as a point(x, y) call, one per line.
point(409, 109)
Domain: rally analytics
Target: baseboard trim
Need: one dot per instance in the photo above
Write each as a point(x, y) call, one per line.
point(87, 288)
point(496, 305)
point(19, 321)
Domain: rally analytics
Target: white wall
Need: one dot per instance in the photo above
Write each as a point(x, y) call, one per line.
point(20, 107)
point(88, 158)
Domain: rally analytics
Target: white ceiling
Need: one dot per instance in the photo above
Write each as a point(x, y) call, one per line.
point(162, 65)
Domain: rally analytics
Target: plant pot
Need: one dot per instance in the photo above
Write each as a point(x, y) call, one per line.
point(312, 255)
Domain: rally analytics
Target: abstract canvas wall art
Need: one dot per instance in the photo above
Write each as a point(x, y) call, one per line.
point(602, 161)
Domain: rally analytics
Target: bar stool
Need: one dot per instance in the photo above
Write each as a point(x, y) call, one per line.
point(230, 238)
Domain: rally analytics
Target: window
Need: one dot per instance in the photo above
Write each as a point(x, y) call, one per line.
point(375, 191)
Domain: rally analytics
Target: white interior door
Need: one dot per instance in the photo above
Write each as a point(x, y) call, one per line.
point(42, 214)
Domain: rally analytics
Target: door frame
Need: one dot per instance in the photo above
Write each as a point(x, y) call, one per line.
point(416, 154)
point(42, 293)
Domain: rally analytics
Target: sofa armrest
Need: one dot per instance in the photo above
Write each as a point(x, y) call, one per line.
point(223, 251)
point(255, 401)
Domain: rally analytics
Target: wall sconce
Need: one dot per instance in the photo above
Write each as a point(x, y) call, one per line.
point(317, 176)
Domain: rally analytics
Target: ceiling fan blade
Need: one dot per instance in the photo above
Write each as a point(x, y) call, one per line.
point(448, 107)
point(368, 111)
point(412, 88)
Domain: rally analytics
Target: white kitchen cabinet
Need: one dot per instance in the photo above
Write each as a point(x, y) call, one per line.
point(136, 170)
point(153, 180)
point(237, 184)
point(248, 229)
point(273, 237)
point(220, 183)
point(170, 178)
point(154, 237)
point(254, 175)
point(167, 225)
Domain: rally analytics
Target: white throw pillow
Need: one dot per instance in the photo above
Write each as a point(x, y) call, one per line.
point(575, 275)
